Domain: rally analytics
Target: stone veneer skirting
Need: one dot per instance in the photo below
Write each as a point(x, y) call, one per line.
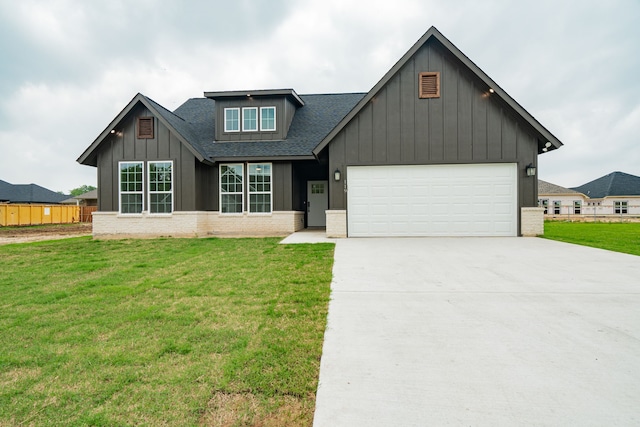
point(336, 223)
point(532, 222)
point(196, 224)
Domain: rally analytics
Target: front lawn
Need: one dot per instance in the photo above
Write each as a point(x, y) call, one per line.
point(615, 236)
point(161, 332)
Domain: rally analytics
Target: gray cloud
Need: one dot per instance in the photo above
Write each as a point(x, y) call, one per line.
point(70, 66)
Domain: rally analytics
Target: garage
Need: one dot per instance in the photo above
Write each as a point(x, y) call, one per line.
point(432, 200)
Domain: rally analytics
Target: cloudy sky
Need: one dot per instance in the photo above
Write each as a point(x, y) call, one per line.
point(68, 67)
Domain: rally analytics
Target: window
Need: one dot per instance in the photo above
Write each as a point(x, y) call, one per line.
point(317, 188)
point(620, 207)
point(544, 203)
point(249, 119)
point(231, 188)
point(260, 188)
point(131, 187)
point(160, 187)
point(231, 119)
point(577, 207)
point(144, 128)
point(267, 118)
point(429, 85)
point(556, 207)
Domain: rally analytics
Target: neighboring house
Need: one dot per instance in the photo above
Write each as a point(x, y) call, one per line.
point(435, 148)
point(617, 193)
point(28, 193)
point(557, 200)
point(90, 198)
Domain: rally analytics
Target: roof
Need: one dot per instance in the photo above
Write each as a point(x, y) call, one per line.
point(613, 184)
point(544, 135)
point(93, 194)
point(194, 124)
point(289, 93)
point(545, 187)
point(28, 193)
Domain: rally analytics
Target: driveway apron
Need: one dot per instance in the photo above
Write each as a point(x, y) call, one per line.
point(480, 332)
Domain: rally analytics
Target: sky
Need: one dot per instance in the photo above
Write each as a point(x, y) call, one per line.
point(68, 67)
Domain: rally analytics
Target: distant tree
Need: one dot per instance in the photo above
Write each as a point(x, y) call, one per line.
point(81, 190)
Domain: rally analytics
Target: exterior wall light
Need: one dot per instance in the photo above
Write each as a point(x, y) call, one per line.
point(531, 170)
point(336, 175)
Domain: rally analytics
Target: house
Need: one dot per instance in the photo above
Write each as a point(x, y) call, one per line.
point(435, 148)
point(617, 193)
point(557, 200)
point(29, 194)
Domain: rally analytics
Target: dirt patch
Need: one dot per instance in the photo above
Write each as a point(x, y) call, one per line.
point(246, 409)
point(43, 232)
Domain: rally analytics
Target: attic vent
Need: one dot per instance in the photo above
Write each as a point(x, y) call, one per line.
point(145, 127)
point(429, 85)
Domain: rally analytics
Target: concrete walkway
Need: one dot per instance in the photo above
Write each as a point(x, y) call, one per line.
point(480, 332)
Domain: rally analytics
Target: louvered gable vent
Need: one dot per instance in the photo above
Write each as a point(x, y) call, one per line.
point(145, 127)
point(429, 85)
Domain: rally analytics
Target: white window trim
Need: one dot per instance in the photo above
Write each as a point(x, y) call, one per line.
point(275, 121)
point(270, 192)
point(257, 119)
point(120, 192)
point(239, 119)
point(221, 193)
point(160, 192)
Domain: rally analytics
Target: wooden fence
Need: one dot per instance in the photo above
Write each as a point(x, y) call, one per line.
point(38, 214)
point(85, 213)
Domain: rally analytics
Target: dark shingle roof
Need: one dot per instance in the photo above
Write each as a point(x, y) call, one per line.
point(613, 184)
point(545, 187)
point(311, 123)
point(28, 193)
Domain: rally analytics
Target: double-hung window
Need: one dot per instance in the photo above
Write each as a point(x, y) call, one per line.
point(131, 187)
point(544, 203)
point(231, 188)
point(160, 187)
point(249, 119)
point(620, 207)
point(232, 120)
point(259, 187)
point(556, 207)
point(577, 207)
point(267, 118)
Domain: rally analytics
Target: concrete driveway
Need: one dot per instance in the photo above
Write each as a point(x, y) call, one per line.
point(480, 332)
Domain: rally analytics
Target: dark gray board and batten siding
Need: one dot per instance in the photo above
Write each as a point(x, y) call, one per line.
point(124, 146)
point(196, 185)
point(466, 124)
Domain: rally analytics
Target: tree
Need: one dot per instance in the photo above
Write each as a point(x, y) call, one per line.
point(81, 190)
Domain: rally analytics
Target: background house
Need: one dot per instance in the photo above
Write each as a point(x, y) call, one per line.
point(435, 148)
point(617, 193)
point(557, 200)
point(28, 193)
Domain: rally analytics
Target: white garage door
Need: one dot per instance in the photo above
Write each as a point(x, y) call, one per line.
point(433, 200)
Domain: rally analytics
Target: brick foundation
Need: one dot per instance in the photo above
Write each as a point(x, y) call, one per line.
point(194, 224)
point(336, 223)
point(532, 222)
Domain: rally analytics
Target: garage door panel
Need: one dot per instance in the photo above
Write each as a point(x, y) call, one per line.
point(434, 200)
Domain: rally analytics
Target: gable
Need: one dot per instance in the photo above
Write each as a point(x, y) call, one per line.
point(544, 139)
point(176, 125)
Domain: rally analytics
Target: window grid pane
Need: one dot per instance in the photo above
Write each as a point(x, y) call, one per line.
point(131, 187)
point(249, 119)
point(231, 188)
point(268, 118)
point(260, 188)
point(160, 187)
point(231, 119)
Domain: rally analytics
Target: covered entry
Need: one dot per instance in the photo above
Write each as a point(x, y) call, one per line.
point(432, 200)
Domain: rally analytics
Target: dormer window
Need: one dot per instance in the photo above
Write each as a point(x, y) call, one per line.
point(267, 118)
point(232, 120)
point(250, 119)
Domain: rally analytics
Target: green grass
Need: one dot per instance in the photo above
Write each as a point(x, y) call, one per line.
point(161, 332)
point(618, 237)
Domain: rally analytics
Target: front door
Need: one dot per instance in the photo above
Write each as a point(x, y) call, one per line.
point(317, 203)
